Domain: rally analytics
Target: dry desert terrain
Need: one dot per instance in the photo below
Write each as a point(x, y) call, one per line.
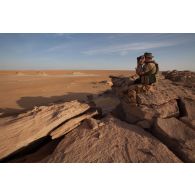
point(22, 90)
point(96, 116)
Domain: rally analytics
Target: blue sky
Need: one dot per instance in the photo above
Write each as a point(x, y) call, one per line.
point(95, 51)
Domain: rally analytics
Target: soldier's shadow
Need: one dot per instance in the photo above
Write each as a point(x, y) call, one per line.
point(28, 103)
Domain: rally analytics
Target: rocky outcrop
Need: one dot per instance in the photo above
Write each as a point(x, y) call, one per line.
point(187, 78)
point(157, 124)
point(55, 120)
point(71, 124)
point(187, 107)
point(166, 109)
point(115, 141)
point(139, 104)
point(177, 136)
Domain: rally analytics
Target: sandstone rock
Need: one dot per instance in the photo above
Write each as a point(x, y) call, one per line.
point(116, 141)
point(101, 124)
point(135, 113)
point(106, 103)
point(179, 75)
point(106, 82)
point(193, 123)
point(158, 97)
point(188, 108)
point(188, 122)
point(177, 136)
point(92, 123)
point(35, 156)
point(22, 130)
point(139, 103)
point(185, 78)
point(144, 124)
point(71, 124)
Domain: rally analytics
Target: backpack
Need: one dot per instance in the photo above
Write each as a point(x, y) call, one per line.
point(157, 67)
point(150, 78)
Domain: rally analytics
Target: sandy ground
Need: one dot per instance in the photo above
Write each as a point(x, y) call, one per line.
point(22, 90)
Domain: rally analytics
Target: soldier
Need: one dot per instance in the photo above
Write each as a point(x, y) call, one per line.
point(149, 70)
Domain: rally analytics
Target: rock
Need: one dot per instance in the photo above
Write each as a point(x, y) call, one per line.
point(106, 103)
point(118, 112)
point(92, 123)
point(140, 103)
point(135, 113)
point(188, 122)
point(177, 136)
point(22, 130)
point(185, 78)
point(144, 124)
point(37, 155)
point(179, 75)
point(71, 124)
point(109, 83)
point(101, 124)
point(187, 107)
point(103, 82)
point(116, 141)
point(193, 123)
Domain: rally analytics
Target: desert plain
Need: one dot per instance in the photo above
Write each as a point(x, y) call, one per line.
point(96, 116)
point(22, 90)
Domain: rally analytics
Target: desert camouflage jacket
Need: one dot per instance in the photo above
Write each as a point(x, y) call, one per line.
point(149, 68)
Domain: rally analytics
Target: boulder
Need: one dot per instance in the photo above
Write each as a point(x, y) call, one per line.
point(115, 141)
point(177, 136)
point(184, 78)
point(187, 107)
point(188, 122)
point(141, 103)
point(179, 75)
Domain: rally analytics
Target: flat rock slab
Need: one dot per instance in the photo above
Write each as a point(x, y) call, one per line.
point(134, 113)
point(188, 108)
point(177, 136)
point(115, 141)
point(158, 97)
point(20, 131)
point(71, 124)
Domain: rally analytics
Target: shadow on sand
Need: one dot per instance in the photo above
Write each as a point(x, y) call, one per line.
point(28, 103)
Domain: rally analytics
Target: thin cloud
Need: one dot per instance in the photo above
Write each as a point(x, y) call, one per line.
point(123, 49)
point(60, 47)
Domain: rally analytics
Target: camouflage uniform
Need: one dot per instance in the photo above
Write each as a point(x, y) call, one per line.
point(139, 69)
point(149, 73)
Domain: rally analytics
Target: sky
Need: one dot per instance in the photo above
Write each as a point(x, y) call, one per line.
point(94, 50)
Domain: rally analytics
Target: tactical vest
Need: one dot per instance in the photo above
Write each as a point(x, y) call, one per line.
point(150, 77)
point(157, 67)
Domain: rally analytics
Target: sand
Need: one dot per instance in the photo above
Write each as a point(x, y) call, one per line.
point(22, 90)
